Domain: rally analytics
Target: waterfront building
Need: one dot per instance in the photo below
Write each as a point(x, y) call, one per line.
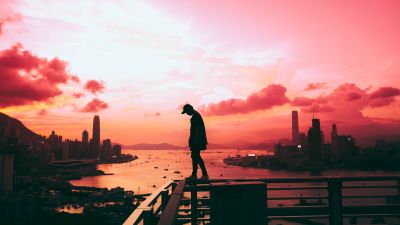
point(85, 138)
point(96, 136)
point(347, 147)
point(106, 150)
point(117, 150)
point(314, 143)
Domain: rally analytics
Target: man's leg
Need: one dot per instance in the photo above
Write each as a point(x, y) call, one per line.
point(195, 161)
point(202, 166)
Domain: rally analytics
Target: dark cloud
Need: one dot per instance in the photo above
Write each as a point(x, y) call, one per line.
point(385, 92)
point(352, 96)
point(272, 95)
point(94, 86)
point(27, 78)
point(95, 105)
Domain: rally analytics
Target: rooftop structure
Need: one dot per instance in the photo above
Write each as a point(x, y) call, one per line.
point(255, 201)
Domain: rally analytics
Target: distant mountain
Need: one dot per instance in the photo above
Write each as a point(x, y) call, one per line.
point(146, 146)
point(10, 126)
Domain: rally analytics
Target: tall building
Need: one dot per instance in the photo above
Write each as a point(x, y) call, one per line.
point(106, 150)
point(85, 138)
point(96, 136)
point(334, 141)
point(315, 143)
point(295, 127)
point(346, 145)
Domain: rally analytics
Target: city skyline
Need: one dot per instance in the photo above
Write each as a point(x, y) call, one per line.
point(136, 63)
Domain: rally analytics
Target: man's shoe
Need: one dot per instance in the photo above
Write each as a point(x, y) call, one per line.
point(192, 177)
point(204, 177)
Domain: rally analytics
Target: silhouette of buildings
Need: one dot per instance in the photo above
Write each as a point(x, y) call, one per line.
point(117, 150)
point(347, 147)
point(302, 139)
point(295, 127)
point(85, 138)
point(7, 166)
point(315, 143)
point(106, 150)
point(96, 136)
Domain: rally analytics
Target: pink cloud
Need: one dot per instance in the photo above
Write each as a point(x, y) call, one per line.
point(385, 92)
point(94, 86)
point(272, 95)
point(95, 105)
point(27, 78)
point(42, 112)
point(347, 98)
point(77, 95)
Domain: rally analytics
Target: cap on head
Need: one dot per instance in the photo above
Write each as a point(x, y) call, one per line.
point(187, 108)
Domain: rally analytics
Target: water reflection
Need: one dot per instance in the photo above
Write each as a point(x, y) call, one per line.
point(155, 167)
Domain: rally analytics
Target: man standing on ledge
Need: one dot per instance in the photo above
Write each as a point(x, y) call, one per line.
point(197, 141)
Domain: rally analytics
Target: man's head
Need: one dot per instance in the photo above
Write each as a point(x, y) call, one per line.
point(188, 109)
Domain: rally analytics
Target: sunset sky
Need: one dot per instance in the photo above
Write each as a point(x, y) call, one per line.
point(244, 64)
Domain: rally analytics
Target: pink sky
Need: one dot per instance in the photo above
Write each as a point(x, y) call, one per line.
point(244, 64)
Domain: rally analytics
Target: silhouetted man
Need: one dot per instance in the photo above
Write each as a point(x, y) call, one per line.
point(197, 141)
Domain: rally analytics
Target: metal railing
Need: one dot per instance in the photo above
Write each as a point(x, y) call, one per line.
point(332, 208)
point(146, 212)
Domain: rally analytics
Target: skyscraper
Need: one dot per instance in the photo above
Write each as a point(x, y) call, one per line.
point(85, 138)
point(315, 143)
point(295, 127)
point(96, 135)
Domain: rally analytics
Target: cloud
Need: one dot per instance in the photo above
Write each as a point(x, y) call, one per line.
point(352, 96)
point(347, 99)
point(270, 96)
point(8, 14)
point(94, 86)
point(42, 112)
point(385, 92)
point(77, 95)
point(95, 105)
point(27, 78)
point(315, 86)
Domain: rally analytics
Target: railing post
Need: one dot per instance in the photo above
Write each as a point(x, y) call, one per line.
point(193, 203)
point(164, 198)
point(148, 216)
point(335, 201)
point(173, 186)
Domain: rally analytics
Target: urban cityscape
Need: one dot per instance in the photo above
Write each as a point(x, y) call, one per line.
point(312, 151)
point(178, 112)
point(35, 171)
